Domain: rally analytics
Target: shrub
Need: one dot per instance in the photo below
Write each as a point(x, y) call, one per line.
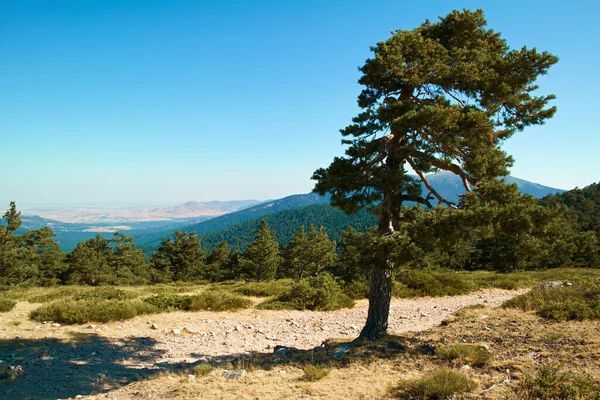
point(442, 384)
point(170, 302)
point(202, 369)
point(435, 283)
point(79, 312)
point(264, 289)
point(551, 383)
point(6, 304)
point(57, 293)
point(577, 302)
point(357, 290)
point(314, 373)
point(473, 355)
point(210, 300)
point(218, 301)
point(104, 293)
point(321, 293)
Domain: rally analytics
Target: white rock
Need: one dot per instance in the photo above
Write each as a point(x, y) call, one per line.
point(154, 326)
point(56, 324)
point(464, 368)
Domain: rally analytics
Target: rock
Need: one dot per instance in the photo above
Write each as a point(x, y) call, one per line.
point(484, 346)
point(234, 374)
point(191, 331)
point(341, 350)
point(191, 378)
point(154, 326)
point(282, 350)
point(549, 285)
point(92, 326)
point(176, 331)
point(271, 337)
point(56, 324)
point(464, 368)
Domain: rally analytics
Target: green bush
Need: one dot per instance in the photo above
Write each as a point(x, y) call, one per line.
point(314, 373)
point(210, 300)
point(320, 293)
point(168, 302)
point(577, 302)
point(52, 294)
point(435, 283)
point(202, 369)
point(442, 384)
point(79, 312)
point(219, 301)
point(357, 290)
point(105, 293)
point(6, 304)
point(264, 289)
point(551, 383)
point(473, 355)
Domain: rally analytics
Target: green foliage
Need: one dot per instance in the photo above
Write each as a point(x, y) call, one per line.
point(473, 355)
point(577, 302)
point(352, 263)
point(98, 262)
point(7, 304)
point(314, 373)
point(264, 289)
point(104, 293)
point(551, 383)
point(308, 256)
point(319, 293)
point(210, 300)
point(219, 301)
point(440, 385)
point(434, 283)
point(79, 312)
point(216, 263)
point(262, 259)
point(179, 260)
point(357, 290)
point(202, 369)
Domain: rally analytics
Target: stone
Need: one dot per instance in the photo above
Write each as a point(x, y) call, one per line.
point(464, 368)
point(234, 374)
point(92, 326)
point(484, 346)
point(176, 331)
point(341, 350)
point(154, 326)
point(56, 324)
point(191, 331)
point(549, 285)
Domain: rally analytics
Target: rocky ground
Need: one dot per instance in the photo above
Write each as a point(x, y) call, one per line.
point(50, 361)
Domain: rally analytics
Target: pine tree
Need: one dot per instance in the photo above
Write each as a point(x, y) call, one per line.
point(443, 96)
point(182, 259)
point(216, 263)
point(262, 258)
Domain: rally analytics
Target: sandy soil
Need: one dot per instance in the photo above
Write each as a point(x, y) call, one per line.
point(66, 361)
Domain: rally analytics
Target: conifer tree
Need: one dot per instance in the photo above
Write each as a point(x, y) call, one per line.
point(181, 259)
point(443, 96)
point(262, 260)
point(216, 262)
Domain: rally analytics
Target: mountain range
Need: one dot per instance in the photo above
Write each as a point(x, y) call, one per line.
point(237, 225)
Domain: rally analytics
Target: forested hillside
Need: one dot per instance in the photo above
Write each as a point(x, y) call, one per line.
point(286, 223)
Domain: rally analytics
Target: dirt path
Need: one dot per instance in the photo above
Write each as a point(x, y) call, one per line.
point(66, 361)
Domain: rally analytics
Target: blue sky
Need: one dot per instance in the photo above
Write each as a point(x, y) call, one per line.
point(169, 101)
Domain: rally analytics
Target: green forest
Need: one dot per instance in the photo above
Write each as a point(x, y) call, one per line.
point(524, 234)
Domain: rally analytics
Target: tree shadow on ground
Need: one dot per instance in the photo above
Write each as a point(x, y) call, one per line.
point(90, 364)
point(331, 354)
point(83, 364)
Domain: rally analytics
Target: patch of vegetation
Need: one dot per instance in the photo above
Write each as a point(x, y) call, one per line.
point(357, 290)
point(52, 294)
point(105, 293)
point(264, 289)
point(435, 283)
point(203, 369)
point(577, 302)
point(314, 373)
point(79, 312)
point(442, 384)
point(219, 301)
point(210, 300)
point(551, 383)
point(473, 355)
point(6, 304)
point(320, 293)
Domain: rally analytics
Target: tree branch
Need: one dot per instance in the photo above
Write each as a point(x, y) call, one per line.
point(445, 166)
point(428, 186)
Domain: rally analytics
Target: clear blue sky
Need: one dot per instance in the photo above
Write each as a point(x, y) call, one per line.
point(167, 101)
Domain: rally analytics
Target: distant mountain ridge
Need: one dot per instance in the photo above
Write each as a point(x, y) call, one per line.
point(447, 184)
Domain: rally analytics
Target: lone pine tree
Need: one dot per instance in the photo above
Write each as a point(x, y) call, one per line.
point(441, 97)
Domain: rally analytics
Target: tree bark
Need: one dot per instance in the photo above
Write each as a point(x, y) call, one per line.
point(379, 304)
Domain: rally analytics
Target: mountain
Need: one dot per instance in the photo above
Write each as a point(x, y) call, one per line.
point(211, 208)
point(227, 220)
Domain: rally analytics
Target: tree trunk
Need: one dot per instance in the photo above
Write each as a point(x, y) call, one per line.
point(379, 304)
